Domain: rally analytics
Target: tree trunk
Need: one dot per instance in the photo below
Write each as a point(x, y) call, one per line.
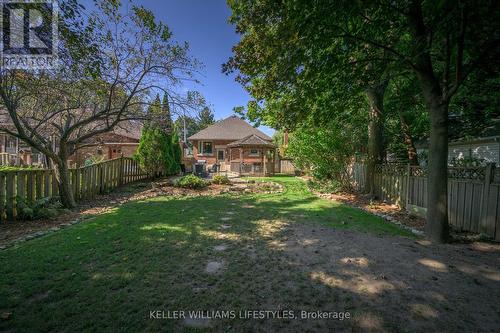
point(408, 139)
point(437, 106)
point(437, 178)
point(375, 95)
point(65, 190)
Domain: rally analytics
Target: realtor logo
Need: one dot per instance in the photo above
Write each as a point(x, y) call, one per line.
point(28, 34)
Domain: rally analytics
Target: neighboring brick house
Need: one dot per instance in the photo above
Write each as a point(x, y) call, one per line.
point(234, 145)
point(124, 139)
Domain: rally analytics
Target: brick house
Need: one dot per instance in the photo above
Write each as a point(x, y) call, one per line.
point(233, 145)
point(124, 139)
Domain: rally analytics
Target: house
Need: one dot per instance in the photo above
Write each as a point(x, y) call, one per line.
point(233, 145)
point(123, 140)
point(482, 148)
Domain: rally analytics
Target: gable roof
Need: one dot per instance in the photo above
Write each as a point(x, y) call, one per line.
point(130, 129)
point(252, 140)
point(231, 128)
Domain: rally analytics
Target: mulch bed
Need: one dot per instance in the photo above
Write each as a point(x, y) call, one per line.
point(376, 207)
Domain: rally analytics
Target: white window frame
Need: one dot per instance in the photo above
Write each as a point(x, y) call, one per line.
point(200, 148)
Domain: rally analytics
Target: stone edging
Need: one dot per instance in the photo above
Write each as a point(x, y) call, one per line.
point(41, 233)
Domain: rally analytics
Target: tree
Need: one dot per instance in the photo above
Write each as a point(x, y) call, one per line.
point(406, 118)
point(205, 118)
point(191, 126)
point(110, 62)
point(327, 151)
point(176, 154)
point(154, 144)
point(287, 47)
point(172, 150)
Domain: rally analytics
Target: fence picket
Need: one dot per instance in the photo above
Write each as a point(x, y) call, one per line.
point(473, 193)
point(10, 196)
point(3, 213)
point(86, 182)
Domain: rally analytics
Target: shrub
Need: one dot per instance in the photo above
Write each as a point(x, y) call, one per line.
point(325, 186)
point(220, 179)
point(38, 209)
point(191, 181)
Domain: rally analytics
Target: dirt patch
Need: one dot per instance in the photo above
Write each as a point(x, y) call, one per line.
point(377, 207)
point(398, 284)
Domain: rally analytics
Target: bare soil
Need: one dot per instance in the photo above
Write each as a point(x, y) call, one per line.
point(376, 206)
point(393, 284)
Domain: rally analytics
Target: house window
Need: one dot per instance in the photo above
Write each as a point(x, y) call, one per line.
point(220, 155)
point(254, 152)
point(205, 148)
point(10, 142)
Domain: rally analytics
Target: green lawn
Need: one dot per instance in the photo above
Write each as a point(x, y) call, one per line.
point(108, 273)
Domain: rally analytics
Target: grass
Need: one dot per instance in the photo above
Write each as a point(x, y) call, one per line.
point(108, 273)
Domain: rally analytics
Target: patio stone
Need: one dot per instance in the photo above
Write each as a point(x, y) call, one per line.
point(221, 247)
point(214, 266)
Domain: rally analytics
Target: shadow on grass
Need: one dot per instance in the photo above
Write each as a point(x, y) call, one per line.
point(109, 273)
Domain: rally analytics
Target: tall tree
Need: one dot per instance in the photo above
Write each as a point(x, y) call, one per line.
point(154, 144)
point(205, 117)
point(110, 60)
point(287, 46)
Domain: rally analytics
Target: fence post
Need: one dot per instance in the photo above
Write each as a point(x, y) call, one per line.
point(3, 215)
point(407, 194)
point(488, 173)
point(120, 171)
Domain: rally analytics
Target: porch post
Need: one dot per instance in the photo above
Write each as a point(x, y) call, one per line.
point(265, 158)
point(274, 160)
point(241, 158)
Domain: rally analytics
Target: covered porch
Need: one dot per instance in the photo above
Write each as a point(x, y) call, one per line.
point(252, 155)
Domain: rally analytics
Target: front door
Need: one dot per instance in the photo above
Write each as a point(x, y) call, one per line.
point(220, 155)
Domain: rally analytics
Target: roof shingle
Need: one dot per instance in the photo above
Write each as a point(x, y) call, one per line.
point(231, 128)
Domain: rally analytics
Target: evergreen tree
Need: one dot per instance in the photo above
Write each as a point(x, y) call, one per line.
point(154, 153)
point(206, 118)
point(166, 120)
point(176, 154)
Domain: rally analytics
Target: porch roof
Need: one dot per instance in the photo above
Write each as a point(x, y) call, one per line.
point(252, 141)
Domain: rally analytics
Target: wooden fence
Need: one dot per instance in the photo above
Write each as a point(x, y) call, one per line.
point(286, 167)
point(86, 182)
point(473, 193)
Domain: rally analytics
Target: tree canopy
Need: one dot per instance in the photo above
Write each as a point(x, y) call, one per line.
point(306, 63)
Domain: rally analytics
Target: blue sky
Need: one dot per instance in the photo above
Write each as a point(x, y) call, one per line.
point(203, 24)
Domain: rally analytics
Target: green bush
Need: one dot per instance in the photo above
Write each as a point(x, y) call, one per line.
point(39, 209)
point(191, 181)
point(325, 186)
point(220, 179)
